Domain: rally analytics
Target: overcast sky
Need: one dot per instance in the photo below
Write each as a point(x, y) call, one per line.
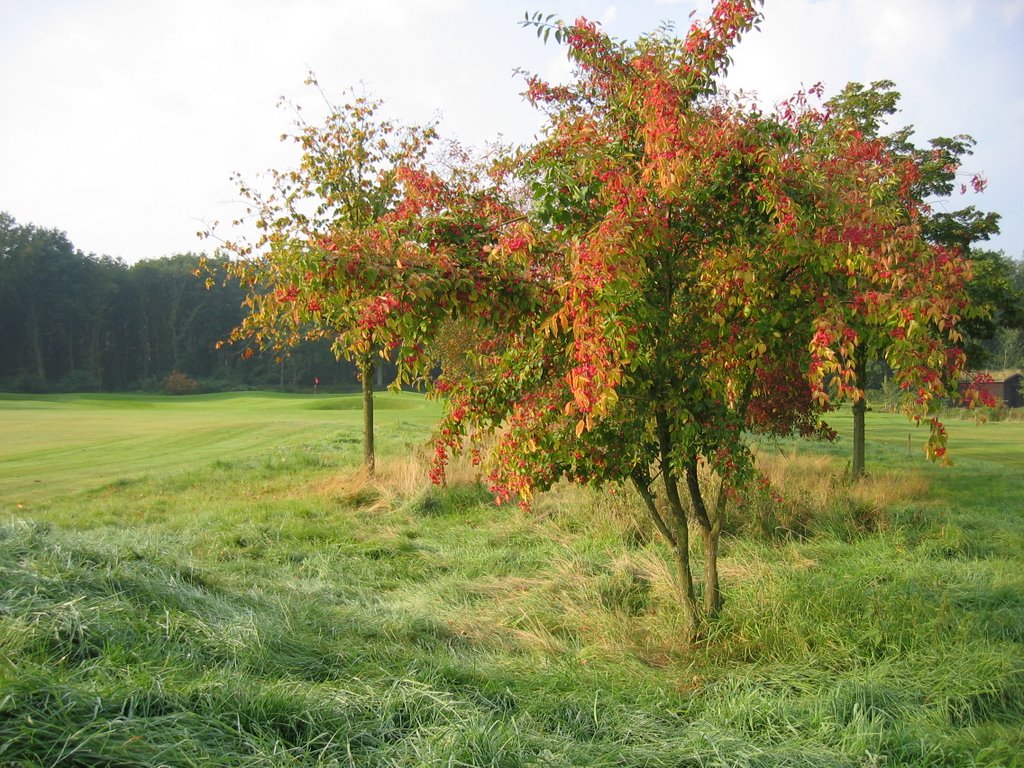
point(122, 120)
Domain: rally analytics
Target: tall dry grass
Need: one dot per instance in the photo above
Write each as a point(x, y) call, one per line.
point(812, 493)
point(396, 477)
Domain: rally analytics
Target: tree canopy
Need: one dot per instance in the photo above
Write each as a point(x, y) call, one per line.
point(71, 321)
point(705, 272)
point(665, 272)
point(367, 245)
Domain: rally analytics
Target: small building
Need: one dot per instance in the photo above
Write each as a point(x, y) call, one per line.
point(1004, 386)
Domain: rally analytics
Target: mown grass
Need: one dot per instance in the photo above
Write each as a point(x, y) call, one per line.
point(248, 599)
point(50, 445)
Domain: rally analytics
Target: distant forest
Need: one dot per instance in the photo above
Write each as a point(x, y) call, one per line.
point(75, 322)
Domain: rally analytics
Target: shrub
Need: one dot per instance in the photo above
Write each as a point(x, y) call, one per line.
point(178, 383)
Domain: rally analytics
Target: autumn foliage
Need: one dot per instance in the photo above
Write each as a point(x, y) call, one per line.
point(667, 271)
point(705, 272)
point(365, 244)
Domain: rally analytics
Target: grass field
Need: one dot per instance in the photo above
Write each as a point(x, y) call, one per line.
point(64, 443)
point(208, 581)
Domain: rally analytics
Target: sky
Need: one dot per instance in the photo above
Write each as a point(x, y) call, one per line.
point(122, 121)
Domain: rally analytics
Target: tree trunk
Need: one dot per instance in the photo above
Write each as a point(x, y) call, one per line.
point(687, 595)
point(366, 375)
point(37, 347)
point(680, 543)
point(709, 531)
point(682, 526)
point(859, 410)
point(712, 587)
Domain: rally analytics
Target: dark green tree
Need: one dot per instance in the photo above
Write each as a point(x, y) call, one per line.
point(55, 303)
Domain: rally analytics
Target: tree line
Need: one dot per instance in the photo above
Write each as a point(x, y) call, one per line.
point(73, 322)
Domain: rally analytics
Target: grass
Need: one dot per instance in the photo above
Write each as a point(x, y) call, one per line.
point(246, 598)
point(51, 445)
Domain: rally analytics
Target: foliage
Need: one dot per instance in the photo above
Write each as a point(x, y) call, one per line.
point(55, 305)
point(346, 182)
point(930, 184)
point(996, 292)
point(178, 383)
point(71, 321)
point(368, 245)
point(939, 177)
point(704, 271)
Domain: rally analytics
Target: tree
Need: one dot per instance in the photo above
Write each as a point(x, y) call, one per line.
point(368, 245)
point(932, 182)
point(692, 259)
point(53, 305)
point(1005, 348)
point(71, 321)
point(346, 183)
point(1000, 302)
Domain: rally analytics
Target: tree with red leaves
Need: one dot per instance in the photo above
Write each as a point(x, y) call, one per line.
point(686, 272)
point(862, 111)
point(373, 241)
point(698, 266)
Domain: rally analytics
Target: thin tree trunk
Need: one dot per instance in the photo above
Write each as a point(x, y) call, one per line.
point(709, 531)
point(642, 482)
point(681, 550)
point(37, 347)
point(859, 410)
point(366, 375)
point(712, 588)
point(691, 613)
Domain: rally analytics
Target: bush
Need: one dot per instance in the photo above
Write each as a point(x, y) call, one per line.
point(890, 396)
point(224, 384)
point(178, 383)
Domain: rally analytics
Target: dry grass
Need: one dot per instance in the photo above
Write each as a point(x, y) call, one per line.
point(395, 477)
point(652, 568)
point(812, 477)
point(746, 569)
point(816, 479)
point(891, 487)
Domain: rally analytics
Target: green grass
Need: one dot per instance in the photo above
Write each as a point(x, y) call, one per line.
point(52, 445)
point(204, 581)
